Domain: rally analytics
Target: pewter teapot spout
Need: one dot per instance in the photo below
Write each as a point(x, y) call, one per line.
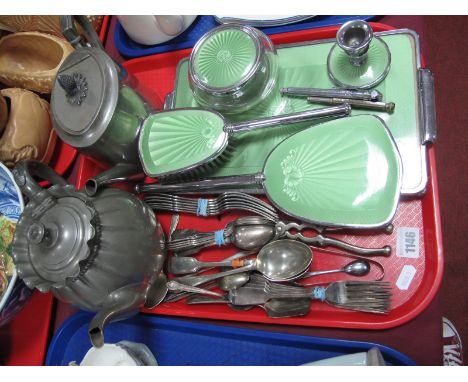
point(121, 172)
point(125, 302)
point(118, 305)
point(102, 254)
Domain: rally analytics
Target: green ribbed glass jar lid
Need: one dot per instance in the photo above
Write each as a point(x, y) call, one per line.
point(225, 58)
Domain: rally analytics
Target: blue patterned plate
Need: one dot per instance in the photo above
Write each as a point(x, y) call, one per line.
point(11, 207)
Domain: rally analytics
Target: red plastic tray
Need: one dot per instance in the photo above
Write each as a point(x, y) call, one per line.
point(24, 340)
point(104, 27)
point(63, 157)
point(157, 74)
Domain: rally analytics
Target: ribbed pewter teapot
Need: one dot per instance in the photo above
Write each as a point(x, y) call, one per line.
point(103, 253)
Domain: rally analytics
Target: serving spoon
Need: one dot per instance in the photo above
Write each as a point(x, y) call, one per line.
point(281, 260)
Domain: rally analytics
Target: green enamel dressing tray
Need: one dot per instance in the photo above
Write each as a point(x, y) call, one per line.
point(305, 65)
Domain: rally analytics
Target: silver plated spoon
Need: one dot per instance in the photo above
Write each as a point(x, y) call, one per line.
point(281, 260)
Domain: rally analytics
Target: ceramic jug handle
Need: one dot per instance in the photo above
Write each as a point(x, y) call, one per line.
point(24, 172)
point(67, 26)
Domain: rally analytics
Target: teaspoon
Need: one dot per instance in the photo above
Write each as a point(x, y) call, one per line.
point(354, 268)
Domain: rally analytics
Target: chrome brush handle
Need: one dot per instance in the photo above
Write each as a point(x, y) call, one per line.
point(302, 116)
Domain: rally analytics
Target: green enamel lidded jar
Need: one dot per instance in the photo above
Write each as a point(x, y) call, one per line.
point(232, 68)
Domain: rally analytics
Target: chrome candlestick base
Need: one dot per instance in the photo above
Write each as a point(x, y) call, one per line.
point(358, 60)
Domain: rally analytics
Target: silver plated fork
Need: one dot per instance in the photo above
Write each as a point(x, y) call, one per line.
point(208, 207)
point(362, 296)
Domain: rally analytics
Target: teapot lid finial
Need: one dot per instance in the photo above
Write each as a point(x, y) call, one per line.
point(75, 86)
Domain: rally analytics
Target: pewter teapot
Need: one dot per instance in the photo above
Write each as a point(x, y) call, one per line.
point(96, 107)
point(103, 253)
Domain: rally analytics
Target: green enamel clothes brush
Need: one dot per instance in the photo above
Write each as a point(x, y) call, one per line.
point(345, 172)
point(180, 140)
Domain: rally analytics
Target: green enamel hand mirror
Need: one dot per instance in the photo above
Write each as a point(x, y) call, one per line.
point(346, 172)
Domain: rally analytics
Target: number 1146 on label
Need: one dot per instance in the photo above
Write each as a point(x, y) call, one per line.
point(408, 242)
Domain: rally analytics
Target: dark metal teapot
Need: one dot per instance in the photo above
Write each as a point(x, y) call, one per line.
point(103, 253)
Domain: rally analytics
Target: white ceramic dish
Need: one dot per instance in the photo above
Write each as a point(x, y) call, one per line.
point(261, 20)
point(123, 353)
point(373, 357)
point(151, 30)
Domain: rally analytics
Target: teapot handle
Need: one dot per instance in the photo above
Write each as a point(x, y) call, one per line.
point(69, 31)
point(23, 173)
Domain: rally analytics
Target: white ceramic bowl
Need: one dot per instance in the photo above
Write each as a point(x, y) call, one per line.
point(151, 30)
point(123, 353)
